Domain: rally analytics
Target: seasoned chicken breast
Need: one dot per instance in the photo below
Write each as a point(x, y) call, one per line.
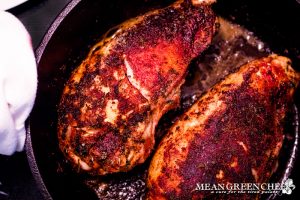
point(233, 134)
point(111, 104)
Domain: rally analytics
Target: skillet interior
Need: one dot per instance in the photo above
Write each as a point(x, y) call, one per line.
point(79, 27)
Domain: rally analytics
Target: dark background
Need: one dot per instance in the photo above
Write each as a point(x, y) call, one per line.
point(15, 177)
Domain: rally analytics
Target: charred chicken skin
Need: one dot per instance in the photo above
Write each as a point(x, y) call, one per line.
point(111, 104)
point(232, 134)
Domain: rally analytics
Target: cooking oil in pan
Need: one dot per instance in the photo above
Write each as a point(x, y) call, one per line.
point(232, 47)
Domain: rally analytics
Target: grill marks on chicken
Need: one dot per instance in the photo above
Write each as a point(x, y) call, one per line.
point(114, 99)
point(233, 134)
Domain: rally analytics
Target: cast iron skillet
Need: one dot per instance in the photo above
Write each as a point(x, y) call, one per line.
point(80, 25)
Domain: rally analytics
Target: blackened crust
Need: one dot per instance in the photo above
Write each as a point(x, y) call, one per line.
point(233, 134)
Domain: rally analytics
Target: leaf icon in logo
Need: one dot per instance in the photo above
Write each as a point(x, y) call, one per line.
point(288, 186)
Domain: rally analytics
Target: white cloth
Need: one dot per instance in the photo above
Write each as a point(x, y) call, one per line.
point(18, 82)
point(7, 4)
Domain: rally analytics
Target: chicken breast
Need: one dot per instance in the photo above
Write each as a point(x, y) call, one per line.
point(233, 134)
point(111, 104)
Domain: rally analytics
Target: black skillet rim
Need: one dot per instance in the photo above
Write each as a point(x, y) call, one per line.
point(28, 142)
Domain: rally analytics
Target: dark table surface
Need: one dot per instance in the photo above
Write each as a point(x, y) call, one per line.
point(16, 180)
